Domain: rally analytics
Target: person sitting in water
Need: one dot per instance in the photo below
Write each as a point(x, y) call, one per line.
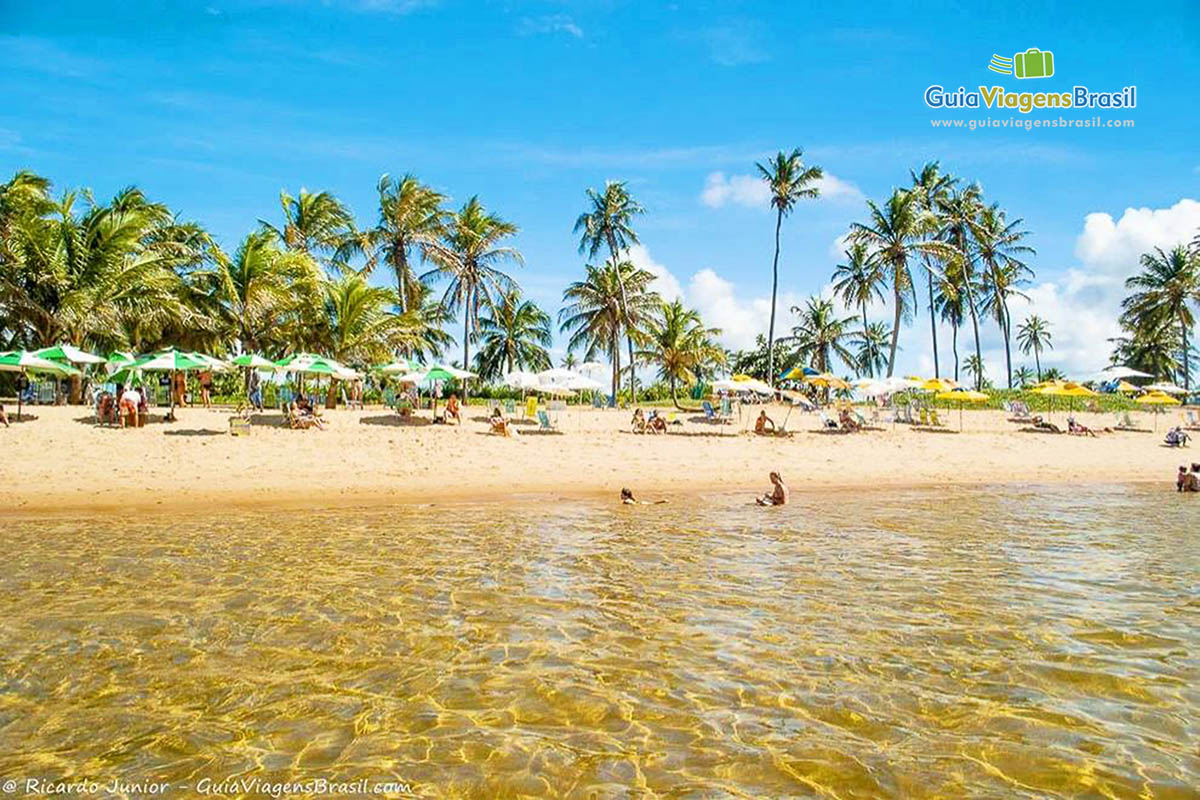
point(778, 496)
point(657, 423)
point(1181, 478)
point(1192, 482)
point(1042, 425)
point(638, 423)
point(501, 425)
point(764, 425)
point(454, 409)
point(628, 499)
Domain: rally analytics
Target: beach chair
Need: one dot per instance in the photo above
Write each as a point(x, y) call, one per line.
point(1124, 421)
point(389, 398)
point(597, 400)
point(531, 407)
point(934, 419)
point(612, 401)
point(829, 423)
point(923, 417)
point(1192, 420)
point(404, 406)
point(710, 415)
point(510, 406)
point(544, 424)
point(726, 409)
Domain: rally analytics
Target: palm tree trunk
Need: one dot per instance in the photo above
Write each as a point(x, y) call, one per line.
point(932, 321)
point(401, 269)
point(675, 394)
point(870, 362)
point(1007, 346)
point(1037, 360)
point(895, 332)
point(954, 344)
point(467, 332)
point(612, 248)
point(1186, 376)
point(975, 326)
point(616, 380)
point(774, 294)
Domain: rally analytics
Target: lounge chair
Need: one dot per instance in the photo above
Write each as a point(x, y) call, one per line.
point(1193, 420)
point(612, 401)
point(544, 423)
point(389, 398)
point(531, 407)
point(829, 423)
point(404, 406)
point(1124, 421)
point(726, 410)
point(597, 400)
point(711, 415)
point(924, 416)
point(934, 419)
point(510, 406)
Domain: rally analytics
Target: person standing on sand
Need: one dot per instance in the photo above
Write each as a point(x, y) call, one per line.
point(254, 385)
point(778, 496)
point(180, 388)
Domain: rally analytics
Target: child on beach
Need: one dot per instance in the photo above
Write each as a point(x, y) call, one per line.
point(778, 496)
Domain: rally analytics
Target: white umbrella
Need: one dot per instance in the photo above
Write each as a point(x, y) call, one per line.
point(550, 388)
point(1167, 388)
point(589, 367)
point(398, 367)
point(726, 385)
point(583, 382)
point(520, 379)
point(1117, 373)
point(556, 375)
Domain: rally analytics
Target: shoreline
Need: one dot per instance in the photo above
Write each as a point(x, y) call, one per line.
point(62, 462)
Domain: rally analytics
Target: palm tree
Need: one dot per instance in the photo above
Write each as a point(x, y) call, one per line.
point(948, 300)
point(931, 186)
point(609, 222)
point(1024, 376)
point(1164, 291)
point(593, 312)
point(569, 361)
point(860, 281)
point(1033, 335)
point(411, 218)
point(973, 366)
point(315, 223)
point(681, 346)
point(872, 342)
point(514, 333)
point(894, 235)
point(467, 256)
point(789, 181)
point(819, 334)
point(1153, 349)
point(998, 245)
point(958, 211)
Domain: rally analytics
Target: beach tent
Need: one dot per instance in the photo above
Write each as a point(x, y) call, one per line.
point(24, 361)
point(962, 396)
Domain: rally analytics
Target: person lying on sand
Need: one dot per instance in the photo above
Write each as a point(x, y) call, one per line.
point(501, 425)
point(1042, 425)
point(628, 499)
point(1076, 429)
point(764, 425)
point(778, 496)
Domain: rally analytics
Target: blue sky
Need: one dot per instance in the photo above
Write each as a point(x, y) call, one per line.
point(214, 107)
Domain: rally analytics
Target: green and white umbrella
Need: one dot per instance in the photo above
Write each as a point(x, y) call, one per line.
point(213, 362)
point(66, 352)
point(253, 361)
point(400, 366)
point(311, 364)
point(118, 359)
point(171, 360)
point(24, 361)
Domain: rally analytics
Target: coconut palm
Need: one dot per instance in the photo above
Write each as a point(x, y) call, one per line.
point(1033, 336)
point(859, 282)
point(608, 222)
point(315, 223)
point(411, 221)
point(974, 367)
point(1163, 295)
point(1024, 376)
point(593, 312)
point(789, 181)
point(467, 257)
point(870, 356)
point(932, 186)
point(682, 347)
point(819, 334)
point(950, 306)
point(999, 249)
point(895, 235)
point(569, 360)
point(514, 333)
point(957, 212)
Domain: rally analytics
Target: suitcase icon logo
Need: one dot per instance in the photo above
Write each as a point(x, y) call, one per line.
point(1033, 63)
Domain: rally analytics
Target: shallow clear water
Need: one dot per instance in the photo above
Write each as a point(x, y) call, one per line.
point(922, 643)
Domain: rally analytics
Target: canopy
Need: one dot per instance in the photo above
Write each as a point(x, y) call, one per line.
point(23, 360)
point(1165, 388)
point(253, 360)
point(1157, 399)
point(66, 352)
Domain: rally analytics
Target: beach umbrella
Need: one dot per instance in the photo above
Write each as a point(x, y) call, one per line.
point(24, 361)
point(253, 361)
point(1127, 387)
point(797, 374)
point(523, 380)
point(938, 385)
point(66, 352)
point(118, 359)
point(398, 367)
point(962, 396)
point(583, 382)
point(828, 381)
point(1165, 388)
point(1117, 373)
point(1157, 399)
point(169, 360)
point(589, 367)
point(555, 374)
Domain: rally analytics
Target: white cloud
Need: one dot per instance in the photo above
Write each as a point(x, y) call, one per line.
point(664, 283)
point(751, 191)
point(551, 23)
point(1114, 247)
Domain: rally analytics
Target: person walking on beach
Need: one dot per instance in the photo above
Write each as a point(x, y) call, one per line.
point(255, 390)
point(778, 496)
point(206, 385)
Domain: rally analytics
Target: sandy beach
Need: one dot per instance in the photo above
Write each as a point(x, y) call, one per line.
point(61, 460)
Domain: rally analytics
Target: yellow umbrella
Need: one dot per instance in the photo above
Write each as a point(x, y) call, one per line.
point(828, 380)
point(938, 385)
point(1126, 386)
point(962, 396)
point(1157, 399)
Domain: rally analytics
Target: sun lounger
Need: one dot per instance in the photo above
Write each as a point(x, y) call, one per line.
point(510, 407)
point(531, 407)
point(934, 419)
point(829, 423)
point(726, 410)
point(597, 400)
point(544, 423)
point(1193, 420)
